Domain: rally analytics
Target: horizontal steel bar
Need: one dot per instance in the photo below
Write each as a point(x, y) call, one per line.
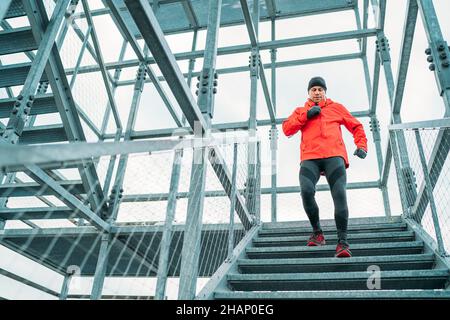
point(280, 64)
point(185, 131)
point(221, 193)
point(42, 134)
point(30, 189)
point(428, 124)
point(76, 151)
point(37, 213)
point(17, 40)
point(267, 45)
point(43, 104)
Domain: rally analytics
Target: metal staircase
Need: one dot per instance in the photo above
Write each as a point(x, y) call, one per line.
point(278, 265)
point(394, 257)
point(34, 101)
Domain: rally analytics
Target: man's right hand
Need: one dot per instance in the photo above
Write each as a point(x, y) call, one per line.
point(313, 112)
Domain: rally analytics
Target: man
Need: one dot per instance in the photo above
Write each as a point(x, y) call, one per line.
point(323, 153)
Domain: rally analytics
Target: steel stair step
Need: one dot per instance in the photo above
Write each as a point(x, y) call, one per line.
point(43, 104)
point(404, 279)
point(16, 74)
point(42, 134)
point(30, 189)
point(332, 239)
point(17, 40)
point(306, 231)
point(317, 265)
point(369, 249)
point(37, 213)
point(325, 294)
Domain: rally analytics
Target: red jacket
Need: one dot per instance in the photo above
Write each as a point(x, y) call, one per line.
point(322, 135)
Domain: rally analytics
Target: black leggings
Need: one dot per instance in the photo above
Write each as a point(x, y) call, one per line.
point(335, 173)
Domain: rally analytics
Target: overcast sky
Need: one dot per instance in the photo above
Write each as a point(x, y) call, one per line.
point(345, 82)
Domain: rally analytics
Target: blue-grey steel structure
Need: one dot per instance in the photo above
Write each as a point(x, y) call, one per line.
point(242, 257)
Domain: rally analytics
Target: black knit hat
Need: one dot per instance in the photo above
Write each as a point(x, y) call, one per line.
point(317, 81)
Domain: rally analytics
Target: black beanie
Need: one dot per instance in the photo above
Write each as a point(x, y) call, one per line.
point(317, 81)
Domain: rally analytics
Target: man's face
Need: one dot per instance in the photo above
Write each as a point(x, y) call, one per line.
point(316, 94)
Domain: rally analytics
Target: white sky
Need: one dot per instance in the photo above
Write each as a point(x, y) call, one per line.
point(345, 81)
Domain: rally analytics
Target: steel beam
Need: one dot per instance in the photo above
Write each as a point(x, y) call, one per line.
point(100, 270)
point(268, 45)
point(163, 263)
point(281, 64)
point(220, 193)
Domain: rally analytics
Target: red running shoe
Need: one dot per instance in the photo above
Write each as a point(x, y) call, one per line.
point(316, 240)
point(343, 250)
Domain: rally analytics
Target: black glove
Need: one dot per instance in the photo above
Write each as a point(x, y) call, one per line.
point(314, 111)
point(360, 153)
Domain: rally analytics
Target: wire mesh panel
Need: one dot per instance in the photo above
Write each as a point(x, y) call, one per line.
point(69, 243)
point(424, 172)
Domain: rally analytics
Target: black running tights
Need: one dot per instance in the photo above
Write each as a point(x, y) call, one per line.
point(336, 176)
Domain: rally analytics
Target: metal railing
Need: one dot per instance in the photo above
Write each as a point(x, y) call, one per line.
point(145, 240)
point(424, 180)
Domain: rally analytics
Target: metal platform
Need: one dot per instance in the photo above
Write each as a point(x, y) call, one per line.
point(130, 245)
point(182, 16)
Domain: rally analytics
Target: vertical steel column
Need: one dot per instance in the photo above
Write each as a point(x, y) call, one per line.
point(66, 283)
point(252, 125)
point(439, 50)
point(112, 161)
point(400, 178)
point(233, 204)
point(164, 251)
point(429, 191)
point(100, 269)
point(116, 192)
point(439, 54)
point(193, 227)
point(274, 131)
point(385, 58)
point(258, 183)
point(172, 202)
point(375, 128)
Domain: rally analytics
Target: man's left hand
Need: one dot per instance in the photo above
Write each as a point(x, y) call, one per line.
point(360, 153)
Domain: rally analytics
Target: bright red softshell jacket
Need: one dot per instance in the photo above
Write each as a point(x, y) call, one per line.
point(322, 136)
